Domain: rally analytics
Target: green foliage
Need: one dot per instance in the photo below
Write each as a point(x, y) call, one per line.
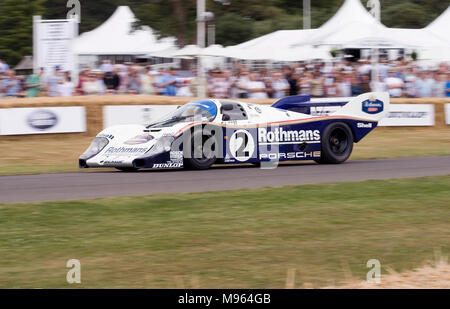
point(16, 28)
point(232, 27)
point(405, 15)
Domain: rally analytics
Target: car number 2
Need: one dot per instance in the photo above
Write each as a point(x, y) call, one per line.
point(242, 145)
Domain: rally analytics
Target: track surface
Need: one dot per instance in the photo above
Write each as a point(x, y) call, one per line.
point(56, 187)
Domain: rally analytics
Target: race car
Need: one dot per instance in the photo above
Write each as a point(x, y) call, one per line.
point(215, 131)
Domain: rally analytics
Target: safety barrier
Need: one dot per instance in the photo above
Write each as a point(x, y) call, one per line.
point(94, 106)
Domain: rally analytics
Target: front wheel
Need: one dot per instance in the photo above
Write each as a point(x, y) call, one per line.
point(337, 143)
point(201, 159)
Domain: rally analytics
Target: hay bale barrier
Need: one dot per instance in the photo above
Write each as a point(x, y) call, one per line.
point(94, 105)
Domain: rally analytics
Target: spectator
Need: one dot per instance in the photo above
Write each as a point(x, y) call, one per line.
point(168, 83)
point(424, 85)
point(344, 88)
point(409, 83)
point(34, 84)
point(106, 66)
point(280, 86)
point(256, 87)
point(394, 84)
point(355, 86)
point(53, 81)
point(82, 78)
point(94, 85)
point(112, 81)
point(10, 85)
point(293, 80)
point(66, 88)
point(440, 85)
point(241, 86)
point(134, 82)
point(146, 81)
point(4, 67)
point(317, 85)
point(447, 86)
point(219, 86)
point(305, 83)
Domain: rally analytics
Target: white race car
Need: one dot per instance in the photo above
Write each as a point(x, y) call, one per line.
point(206, 132)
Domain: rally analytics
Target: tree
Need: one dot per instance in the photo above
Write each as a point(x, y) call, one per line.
point(405, 15)
point(16, 28)
point(232, 28)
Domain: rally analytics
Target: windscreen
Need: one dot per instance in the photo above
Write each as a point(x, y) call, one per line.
point(190, 112)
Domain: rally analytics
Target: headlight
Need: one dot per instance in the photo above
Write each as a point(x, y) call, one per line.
point(97, 145)
point(164, 144)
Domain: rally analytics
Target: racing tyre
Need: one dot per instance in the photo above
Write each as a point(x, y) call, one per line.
point(205, 161)
point(127, 169)
point(337, 143)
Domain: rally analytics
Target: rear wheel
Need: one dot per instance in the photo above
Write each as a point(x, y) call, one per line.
point(201, 159)
point(337, 143)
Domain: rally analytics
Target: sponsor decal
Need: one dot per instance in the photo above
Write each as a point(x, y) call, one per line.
point(176, 156)
point(258, 109)
point(42, 120)
point(290, 155)
point(279, 135)
point(111, 162)
point(168, 165)
point(126, 150)
point(139, 139)
point(108, 136)
point(362, 125)
point(372, 106)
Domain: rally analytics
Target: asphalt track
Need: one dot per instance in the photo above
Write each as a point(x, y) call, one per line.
point(70, 186)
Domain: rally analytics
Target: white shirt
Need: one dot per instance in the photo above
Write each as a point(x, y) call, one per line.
point(256, 85)
point(394, 92)
point(277, 85)
point(66, 89)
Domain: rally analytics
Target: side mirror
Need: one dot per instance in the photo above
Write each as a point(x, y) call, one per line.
point(226, 117)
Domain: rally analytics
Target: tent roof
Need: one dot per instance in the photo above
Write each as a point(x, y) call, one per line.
point(351, 12)
point(116, 37)
point(280, 39)
point(351, 23)
point(25, 64)
point(441, 25)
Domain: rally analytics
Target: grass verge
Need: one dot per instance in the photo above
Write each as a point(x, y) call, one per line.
point(233, 239)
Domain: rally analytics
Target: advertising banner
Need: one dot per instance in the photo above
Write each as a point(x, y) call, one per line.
point(405, 115)
point(45, 120)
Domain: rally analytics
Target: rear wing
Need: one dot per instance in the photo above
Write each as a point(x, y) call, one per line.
point(372, 106)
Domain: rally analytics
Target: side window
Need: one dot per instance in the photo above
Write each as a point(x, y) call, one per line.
point(234, 110)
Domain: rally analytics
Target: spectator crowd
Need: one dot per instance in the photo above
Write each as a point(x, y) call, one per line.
point(400, 78)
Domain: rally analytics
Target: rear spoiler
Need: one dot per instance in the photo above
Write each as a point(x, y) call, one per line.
point(372, 105)
point(303, 104)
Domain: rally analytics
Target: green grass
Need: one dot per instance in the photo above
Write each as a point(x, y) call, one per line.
point(234, 239)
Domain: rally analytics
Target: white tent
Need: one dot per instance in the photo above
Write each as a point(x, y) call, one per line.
point(277, 46)
point(354, 27)
point(351, 22)
point(116, 37)
point(441, 25)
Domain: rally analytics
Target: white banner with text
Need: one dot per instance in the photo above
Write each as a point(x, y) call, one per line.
point(42, 120)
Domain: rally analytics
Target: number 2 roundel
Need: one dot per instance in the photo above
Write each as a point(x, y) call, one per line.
point(242, 145)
